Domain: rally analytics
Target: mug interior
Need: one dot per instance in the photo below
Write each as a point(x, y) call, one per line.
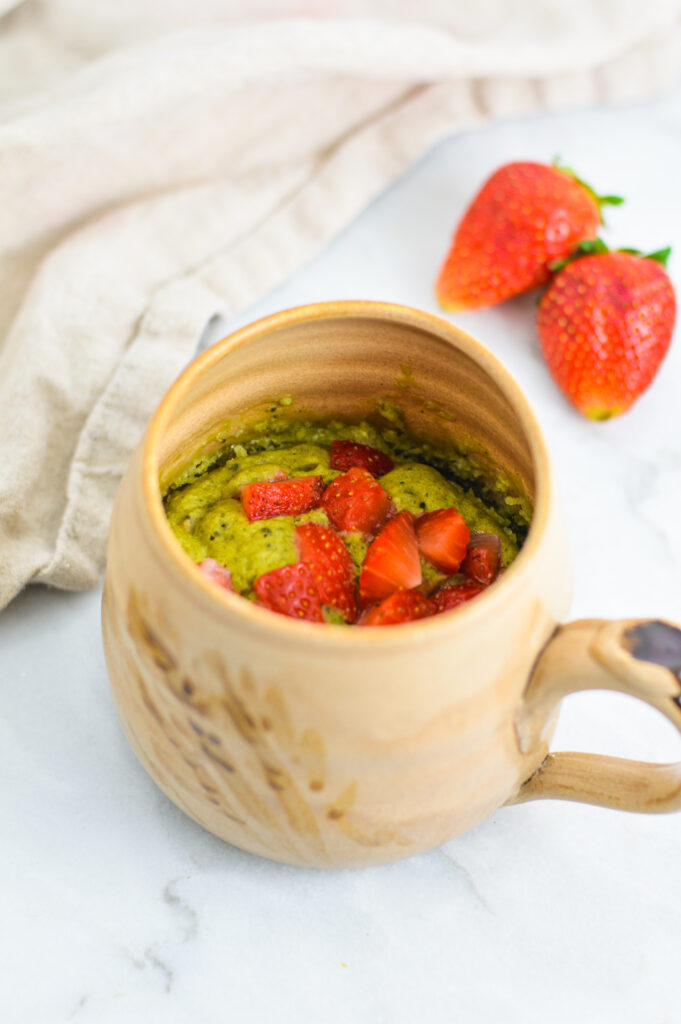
point(352, 361)
point(349, 360)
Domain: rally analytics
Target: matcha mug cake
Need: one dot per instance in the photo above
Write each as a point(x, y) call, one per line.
point(323, 472)
point(371, 534)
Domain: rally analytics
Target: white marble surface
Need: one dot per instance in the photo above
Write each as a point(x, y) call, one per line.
point(115, 907)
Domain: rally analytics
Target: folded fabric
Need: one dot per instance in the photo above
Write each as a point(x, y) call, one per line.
point(163, 162)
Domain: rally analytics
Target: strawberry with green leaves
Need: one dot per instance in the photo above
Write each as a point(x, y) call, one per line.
point(526, 216)
point(605, 324)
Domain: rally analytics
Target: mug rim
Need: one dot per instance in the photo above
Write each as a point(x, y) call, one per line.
point(227, 604)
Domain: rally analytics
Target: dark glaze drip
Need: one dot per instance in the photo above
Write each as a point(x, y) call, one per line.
point(659, 643)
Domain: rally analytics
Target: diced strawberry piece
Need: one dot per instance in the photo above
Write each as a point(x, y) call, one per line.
point(391, 562)
point(443, 537)
point(483, 558)
point(346, 454)
point(401, 606)
point(282, 497)
point(355, 502)
point(216, 573)
point(290, 591)
point(458, 593)
point(333, 572)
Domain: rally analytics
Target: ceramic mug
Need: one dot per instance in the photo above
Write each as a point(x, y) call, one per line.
point(333, 747)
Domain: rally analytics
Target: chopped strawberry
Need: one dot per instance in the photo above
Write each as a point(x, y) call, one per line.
point(483, 558)
point(282, 497)
point(290, 591)
point(458, 593)
point(346, 454)
point(443, 537)
point(333, 572)
point(355, 502)
point(216, 573)
point(401, 606)
point(392, 561)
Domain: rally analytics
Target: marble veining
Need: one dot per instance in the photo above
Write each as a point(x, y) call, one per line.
point(465, 873)
point(186, 919)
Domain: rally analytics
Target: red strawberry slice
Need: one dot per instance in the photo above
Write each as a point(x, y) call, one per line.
point(401, 606)
point(346, 454)
point(391, 562)
point(282, 497)
point(355, 502)
point(216, 573)
point(483, 558)
point(290, 590)
point(459, 593)
point(443, 537)
point(333, 572)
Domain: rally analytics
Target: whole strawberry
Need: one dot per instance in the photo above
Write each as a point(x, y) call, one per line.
point(605, 324)
point(525, 217)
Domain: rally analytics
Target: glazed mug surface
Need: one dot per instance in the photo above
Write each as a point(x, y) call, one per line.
point(328, 746)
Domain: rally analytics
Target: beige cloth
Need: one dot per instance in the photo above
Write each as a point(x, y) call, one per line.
point(164, 160)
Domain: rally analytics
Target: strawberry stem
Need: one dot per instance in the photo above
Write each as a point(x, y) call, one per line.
point(600, 200)
point(592, 247)
point(660, 256)
point(587, 247)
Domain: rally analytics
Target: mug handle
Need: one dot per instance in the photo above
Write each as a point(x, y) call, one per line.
point(638, 657)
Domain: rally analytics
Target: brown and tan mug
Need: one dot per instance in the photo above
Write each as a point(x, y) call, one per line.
point(327, 746)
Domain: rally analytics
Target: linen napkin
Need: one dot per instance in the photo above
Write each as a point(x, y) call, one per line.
point(162, 161)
